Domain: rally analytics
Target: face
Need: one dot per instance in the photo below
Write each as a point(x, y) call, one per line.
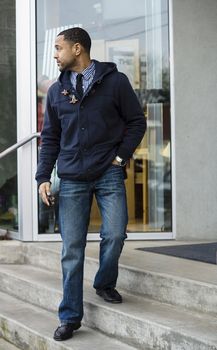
point(66, 53)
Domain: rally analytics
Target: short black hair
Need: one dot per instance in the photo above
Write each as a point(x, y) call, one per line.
point(77, 35)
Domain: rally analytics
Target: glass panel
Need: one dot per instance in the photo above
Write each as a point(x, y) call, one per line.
point(8, 135)
point(134, 35)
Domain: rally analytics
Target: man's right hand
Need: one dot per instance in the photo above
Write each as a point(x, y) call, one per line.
point(44, 191)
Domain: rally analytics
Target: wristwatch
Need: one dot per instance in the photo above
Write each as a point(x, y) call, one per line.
point(120, 161)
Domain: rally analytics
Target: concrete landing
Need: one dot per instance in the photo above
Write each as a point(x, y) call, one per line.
point(151, 261)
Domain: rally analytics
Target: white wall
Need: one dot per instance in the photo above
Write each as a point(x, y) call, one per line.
point(195, 65)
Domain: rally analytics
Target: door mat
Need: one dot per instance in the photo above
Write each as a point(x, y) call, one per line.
point(205, 252)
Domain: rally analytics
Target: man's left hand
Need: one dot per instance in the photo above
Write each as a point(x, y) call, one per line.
point(115, 162)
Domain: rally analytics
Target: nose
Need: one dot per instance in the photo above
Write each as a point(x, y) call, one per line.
point(55, 54)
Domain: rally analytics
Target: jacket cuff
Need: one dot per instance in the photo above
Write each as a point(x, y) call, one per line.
point(123, 153)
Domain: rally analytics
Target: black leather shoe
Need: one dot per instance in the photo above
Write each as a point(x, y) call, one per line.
point(110, 295)
point(65, 331)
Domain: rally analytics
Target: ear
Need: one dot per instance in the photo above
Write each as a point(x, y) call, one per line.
point(77, 49)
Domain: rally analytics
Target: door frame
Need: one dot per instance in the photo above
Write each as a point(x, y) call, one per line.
point(27, 124)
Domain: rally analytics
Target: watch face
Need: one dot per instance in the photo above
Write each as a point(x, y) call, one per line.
point(123, 163)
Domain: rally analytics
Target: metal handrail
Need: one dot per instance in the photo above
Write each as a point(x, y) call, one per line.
point(19, 144)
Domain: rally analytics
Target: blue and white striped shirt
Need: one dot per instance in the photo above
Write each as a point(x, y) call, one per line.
point(88, 74)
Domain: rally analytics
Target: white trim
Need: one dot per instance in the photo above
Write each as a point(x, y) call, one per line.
point(26, 113)
point(134, 236)
point(137, 236)
point(34, 121)
point(172, 118)
point(45, 237)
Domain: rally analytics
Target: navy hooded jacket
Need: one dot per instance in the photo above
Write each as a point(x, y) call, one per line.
point(85, 136)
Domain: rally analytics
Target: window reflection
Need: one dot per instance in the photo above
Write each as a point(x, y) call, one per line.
point(8, 127)
point(134, 35)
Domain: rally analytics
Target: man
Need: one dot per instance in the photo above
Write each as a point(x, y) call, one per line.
point(93, 124)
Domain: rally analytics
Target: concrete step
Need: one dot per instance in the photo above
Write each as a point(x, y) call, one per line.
point(192, 285)
point(11, 252)
point(139, 321)
point(31, 328)
point(4, 345)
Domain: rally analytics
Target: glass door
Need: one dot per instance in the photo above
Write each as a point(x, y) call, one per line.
point(134, 35)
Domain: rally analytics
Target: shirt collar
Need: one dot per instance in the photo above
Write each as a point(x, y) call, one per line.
point(87, 72)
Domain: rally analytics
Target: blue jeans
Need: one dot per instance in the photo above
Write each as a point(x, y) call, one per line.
point(75, 200)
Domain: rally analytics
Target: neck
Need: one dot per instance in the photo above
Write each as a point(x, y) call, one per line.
point(81, 64)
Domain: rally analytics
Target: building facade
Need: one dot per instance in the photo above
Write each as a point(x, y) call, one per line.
point(168, 50)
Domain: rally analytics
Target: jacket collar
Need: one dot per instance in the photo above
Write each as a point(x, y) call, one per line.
point(101, 70)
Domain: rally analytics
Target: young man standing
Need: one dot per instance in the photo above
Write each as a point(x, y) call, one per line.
point(93, 124)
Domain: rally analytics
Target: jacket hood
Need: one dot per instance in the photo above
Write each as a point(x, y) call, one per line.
point(101, 69)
